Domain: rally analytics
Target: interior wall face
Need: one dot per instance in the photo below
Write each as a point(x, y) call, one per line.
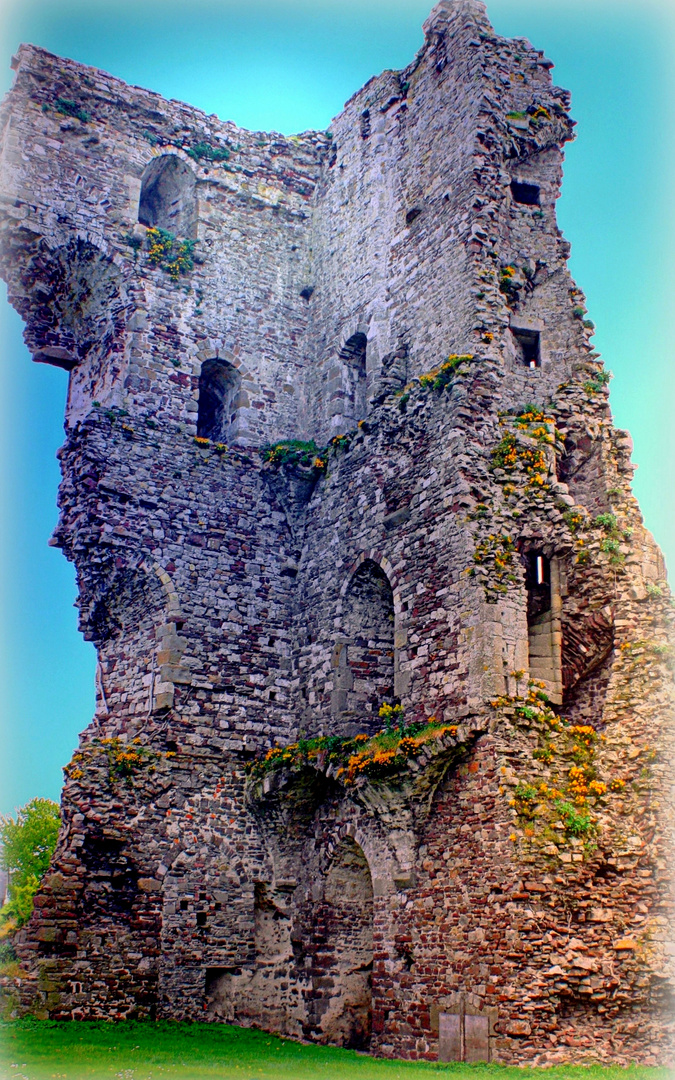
point(395, 289)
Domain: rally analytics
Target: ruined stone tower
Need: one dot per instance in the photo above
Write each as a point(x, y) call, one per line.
point(337, 439)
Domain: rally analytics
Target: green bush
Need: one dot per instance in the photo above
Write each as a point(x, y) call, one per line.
point(71, 108)
point(204, 151)
point(170, 254)
point(576, 824)
point(27, 847)
point(606, 522)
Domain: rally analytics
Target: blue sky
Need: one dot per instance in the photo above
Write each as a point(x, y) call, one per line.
point(289, 66)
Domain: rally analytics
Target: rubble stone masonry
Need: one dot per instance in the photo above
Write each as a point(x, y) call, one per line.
point(448, 525)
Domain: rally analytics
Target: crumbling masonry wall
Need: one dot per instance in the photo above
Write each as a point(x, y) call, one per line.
point(467, 545)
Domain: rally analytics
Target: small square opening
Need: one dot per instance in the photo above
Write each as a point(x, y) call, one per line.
point(528, 348)
point(525, 193)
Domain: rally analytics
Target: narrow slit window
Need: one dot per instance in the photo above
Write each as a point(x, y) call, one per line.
point(528, 347)
point(538, 580)
point(542, 581)
point(528, 194)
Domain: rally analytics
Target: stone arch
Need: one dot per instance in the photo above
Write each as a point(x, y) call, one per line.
point(377, 556)
point(340, 1007)
point(220, 401)
point(167, 199)
point(136, 602)
point(364, 656)
point(390, 859)
point(173, 610)
point(166, 668)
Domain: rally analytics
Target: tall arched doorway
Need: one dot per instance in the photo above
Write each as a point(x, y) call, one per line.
point(341, 1004)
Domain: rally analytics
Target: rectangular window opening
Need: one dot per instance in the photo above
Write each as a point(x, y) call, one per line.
point(528, 194)
point(538, 584)
point(528, 347)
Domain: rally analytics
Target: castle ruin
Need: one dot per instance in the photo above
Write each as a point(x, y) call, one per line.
point(337, 440)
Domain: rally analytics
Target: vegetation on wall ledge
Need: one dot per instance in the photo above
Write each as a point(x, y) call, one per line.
point(67, 107)
point(205, 151)
point(168, 253)
point(347, 759)
point(122, 759)
point(438, 378)
point(306, 454)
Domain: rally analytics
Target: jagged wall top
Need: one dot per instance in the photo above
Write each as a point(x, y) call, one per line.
point(392, 228)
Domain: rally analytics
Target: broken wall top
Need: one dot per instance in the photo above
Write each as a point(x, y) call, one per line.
point(380, 227)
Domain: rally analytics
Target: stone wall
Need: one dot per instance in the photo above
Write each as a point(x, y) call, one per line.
point(496, 885)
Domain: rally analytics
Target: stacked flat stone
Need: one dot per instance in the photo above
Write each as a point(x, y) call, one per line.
point(212, 291)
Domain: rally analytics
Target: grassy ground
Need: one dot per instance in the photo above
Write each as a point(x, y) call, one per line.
point(41, 1050)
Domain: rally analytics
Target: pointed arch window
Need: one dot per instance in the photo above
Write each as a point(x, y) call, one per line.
point(365, 658)
point(219, 401)
point(168, 196)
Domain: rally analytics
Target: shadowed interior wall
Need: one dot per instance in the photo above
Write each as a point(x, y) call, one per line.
point(343, 951)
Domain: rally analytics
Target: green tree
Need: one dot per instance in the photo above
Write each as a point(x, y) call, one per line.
point(27, 845)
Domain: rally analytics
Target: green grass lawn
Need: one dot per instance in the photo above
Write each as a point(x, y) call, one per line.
point(42, 1050)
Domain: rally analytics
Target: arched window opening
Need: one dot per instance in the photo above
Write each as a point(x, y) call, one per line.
point(168, 196)
point(347, 393)
point(365, 660)
point(544, 625)
point(219, 402)
point(342, 991)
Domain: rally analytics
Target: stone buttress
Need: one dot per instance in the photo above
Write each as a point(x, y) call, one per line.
point(336, 437)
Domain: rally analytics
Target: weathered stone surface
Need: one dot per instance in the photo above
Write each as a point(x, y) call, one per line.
point(474, 526)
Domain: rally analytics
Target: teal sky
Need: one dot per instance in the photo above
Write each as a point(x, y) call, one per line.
point(289, 66)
